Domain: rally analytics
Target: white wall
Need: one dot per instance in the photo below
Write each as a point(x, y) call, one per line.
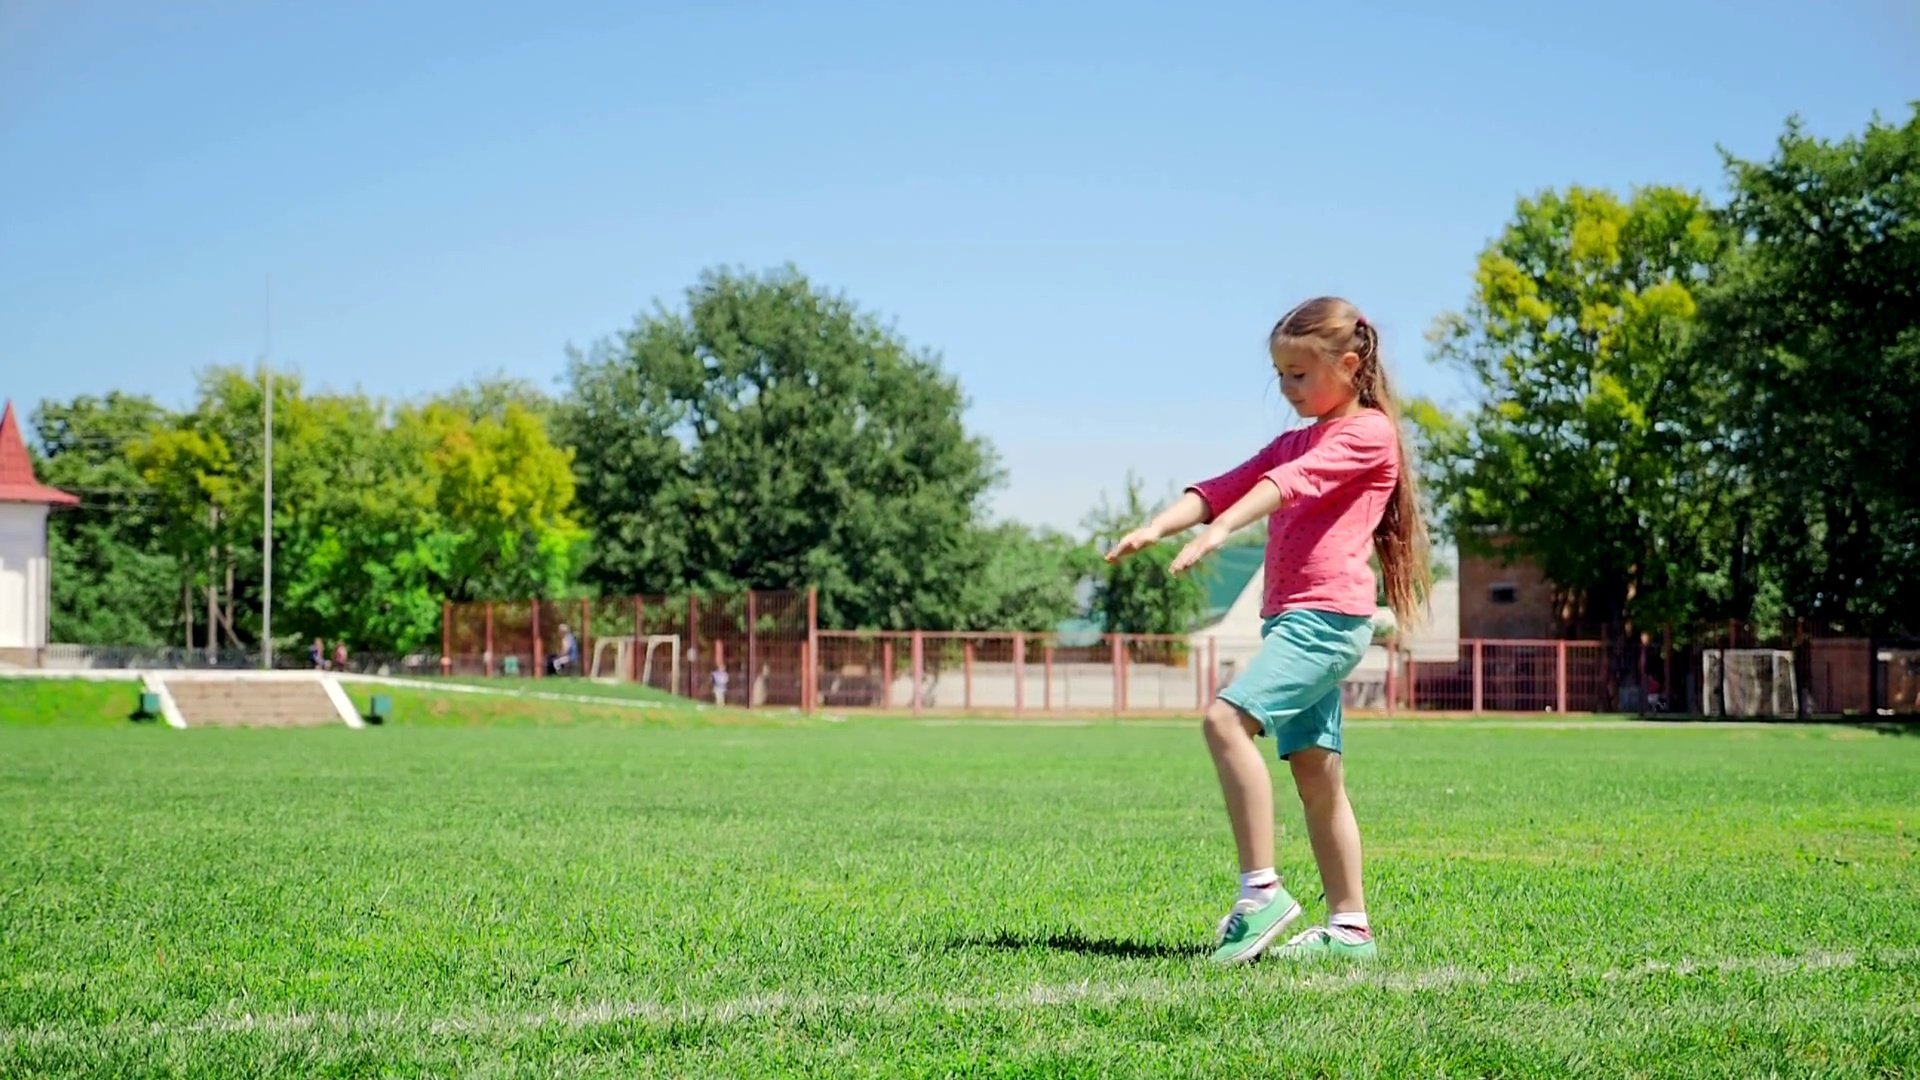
point(24, 577)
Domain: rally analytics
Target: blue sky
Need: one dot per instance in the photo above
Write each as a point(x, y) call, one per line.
point(1094, 212)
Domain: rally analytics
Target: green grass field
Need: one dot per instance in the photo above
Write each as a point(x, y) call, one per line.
point(615, 893)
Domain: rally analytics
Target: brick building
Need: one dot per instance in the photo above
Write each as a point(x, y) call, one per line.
point(1507, 597)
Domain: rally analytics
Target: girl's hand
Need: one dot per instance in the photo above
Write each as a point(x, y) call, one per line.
point(1138, 540)
point(1209, 541)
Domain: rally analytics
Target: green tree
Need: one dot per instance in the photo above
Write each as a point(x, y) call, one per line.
point(360, 547)
point(1816, 322)
point(1030, 581)
point(113, 582)
point(379, 514)
point(1138, 595)
point(772, 435)
point(507, 493)
point(1591, 445)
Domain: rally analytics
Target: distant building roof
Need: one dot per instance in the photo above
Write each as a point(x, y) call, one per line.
point(1225, 575)
point(17, 483)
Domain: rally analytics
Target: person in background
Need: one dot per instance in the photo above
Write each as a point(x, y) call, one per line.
point(339, 656)
point(568, 657)
point(719, 686)
point(317, 655)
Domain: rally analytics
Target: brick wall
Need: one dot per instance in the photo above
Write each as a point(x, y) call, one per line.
point(1502, 600)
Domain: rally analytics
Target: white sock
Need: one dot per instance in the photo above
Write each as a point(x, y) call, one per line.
point(1259, 885)
point(1352, 925)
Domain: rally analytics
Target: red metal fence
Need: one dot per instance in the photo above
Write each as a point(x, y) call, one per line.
point(759, 640)
point(1014, 673)
point(766, 649)
point(1832, 674)
point(1507, 677)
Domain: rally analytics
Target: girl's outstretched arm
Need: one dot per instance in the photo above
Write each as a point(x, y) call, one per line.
point(1263, 500)
point(1186, 512)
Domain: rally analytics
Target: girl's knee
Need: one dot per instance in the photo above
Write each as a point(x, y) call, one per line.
point(1316, 774)
point(1225, 721)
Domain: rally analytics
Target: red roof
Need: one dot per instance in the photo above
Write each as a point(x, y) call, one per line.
point(16, 470)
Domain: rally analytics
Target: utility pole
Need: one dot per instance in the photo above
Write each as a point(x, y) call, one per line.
point(266, 531)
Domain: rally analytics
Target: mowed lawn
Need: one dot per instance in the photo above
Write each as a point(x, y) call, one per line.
point(887, 898)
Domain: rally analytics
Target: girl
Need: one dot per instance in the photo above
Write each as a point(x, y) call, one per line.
point(1333, 490)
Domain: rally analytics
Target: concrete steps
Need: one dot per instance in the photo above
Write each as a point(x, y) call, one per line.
point(256, 701)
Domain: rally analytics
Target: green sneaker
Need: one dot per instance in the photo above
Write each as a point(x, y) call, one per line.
point(1323, 943)
point(1250, 927)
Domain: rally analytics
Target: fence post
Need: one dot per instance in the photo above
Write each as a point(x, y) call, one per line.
point(967, 694)
point(1195, 663)
point(1640, 648)
point(488, 658)
point(639, 635)
point(753, 644)
point(1666, 665)
point(886, 673)
point(586, 637)
point(1479, 677)
point(1393, 661)
point(806, 678)
point(1116, 650)
point(1560, 675)
point(1046, 683)
point(1019, 674)
point(446, 637)
point(693, 639)
point(919, 669)
point(539, 650)
point(1413, 684)
point(810, 684)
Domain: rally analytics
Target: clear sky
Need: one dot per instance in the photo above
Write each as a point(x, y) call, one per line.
point(1094, 212)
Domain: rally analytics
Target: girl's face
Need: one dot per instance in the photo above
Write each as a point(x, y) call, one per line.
point(1314, 384)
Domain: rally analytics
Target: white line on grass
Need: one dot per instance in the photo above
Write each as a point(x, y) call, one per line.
point(1384, 722)
point(484, 1021)
point(443, 686)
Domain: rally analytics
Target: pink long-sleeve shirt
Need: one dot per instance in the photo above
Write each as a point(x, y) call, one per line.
point(1335, 479)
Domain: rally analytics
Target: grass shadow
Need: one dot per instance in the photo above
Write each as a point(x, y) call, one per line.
point(1072, 941)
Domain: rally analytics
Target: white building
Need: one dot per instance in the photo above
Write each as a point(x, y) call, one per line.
point(26, 577)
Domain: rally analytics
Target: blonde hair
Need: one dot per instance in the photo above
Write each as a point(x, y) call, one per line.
point(1333, 327)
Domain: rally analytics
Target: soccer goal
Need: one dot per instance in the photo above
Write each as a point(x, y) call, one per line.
point(1748, 682)
point(623, 648)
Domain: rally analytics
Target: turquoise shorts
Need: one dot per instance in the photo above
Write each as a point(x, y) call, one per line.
point(1292, 686)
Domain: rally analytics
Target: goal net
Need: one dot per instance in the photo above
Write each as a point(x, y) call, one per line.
point(623, 649)
point(1748, 682)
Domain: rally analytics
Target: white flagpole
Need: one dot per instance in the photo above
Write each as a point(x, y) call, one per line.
point(266, 531)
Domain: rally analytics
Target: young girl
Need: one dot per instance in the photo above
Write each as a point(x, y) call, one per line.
point(1334, 491)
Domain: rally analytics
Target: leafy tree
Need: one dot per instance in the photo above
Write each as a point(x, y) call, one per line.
point(1031, 580)
point(505, 491)
point(1591, 446)
point(772, 435)
point(1138, 595)
point(359, 542)
point(379, 514)
point(112, 582)
point(1816, 324)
